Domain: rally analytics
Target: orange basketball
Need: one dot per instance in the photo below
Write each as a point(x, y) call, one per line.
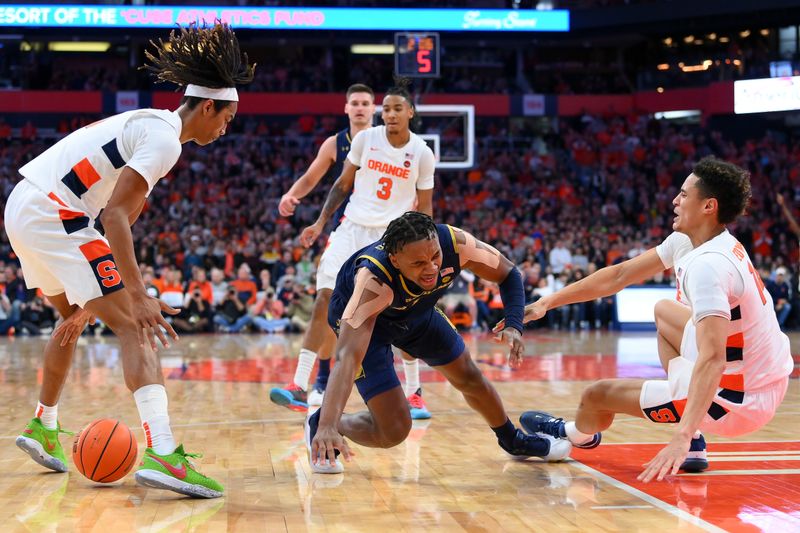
point(105, 450)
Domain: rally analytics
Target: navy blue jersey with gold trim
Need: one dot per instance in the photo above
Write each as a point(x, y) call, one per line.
point(343, 141)
point(409, 299)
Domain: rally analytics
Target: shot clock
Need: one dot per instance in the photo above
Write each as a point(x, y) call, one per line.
point(416, 55)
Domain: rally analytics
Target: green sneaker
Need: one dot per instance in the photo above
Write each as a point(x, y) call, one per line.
point(174, 472)
point(43, 446)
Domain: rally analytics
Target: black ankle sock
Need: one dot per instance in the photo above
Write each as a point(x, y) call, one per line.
point(506, 433)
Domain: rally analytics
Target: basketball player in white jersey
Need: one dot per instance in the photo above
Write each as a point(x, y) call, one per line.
point(728, 363)
point(319, 339)
point(98, 178)
point(388, 172)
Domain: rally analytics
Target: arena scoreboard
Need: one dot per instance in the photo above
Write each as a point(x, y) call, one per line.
point(416, 55)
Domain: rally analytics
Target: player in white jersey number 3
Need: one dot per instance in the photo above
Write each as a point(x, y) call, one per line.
point(389, 171)
point(54, 222)
point(727, 361)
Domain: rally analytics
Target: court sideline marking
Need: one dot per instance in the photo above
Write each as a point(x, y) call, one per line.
point(664, 506)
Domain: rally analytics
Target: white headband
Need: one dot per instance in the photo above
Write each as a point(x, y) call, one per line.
point(226, 93)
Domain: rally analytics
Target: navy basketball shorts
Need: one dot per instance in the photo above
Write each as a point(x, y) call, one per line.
point(429, 336)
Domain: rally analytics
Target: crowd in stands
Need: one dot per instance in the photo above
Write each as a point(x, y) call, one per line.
point(589, 192)
point(568, 69)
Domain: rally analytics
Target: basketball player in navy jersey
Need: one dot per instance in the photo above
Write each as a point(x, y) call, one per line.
point(369, 225)
point(386, 296)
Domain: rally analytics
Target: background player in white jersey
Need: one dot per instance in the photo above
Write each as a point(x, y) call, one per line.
point(319, 339)
point(727, 361)
point(388, 172)
point(54, 222)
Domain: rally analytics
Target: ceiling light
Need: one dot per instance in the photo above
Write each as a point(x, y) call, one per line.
point(372, 49)
point(78, 46)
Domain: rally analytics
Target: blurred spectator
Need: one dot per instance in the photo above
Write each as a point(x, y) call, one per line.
point(560, 257)
point(302, 306)
point(231, 313)
point(781, 294)
point(244, 286)
point(195, 315)
point(267, 313)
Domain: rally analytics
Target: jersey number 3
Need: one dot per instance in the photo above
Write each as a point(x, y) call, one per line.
point(385, 190)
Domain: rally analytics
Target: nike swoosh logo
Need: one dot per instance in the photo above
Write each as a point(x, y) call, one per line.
point(179, 473)
point(374, 149)
point(50, 446)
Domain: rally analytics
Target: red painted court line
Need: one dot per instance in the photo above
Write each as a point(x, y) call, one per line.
point(737, 502)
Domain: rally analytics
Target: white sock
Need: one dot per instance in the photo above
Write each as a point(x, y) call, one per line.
point(305, 364)
point(411, 369)
point(575, 436)
point(48, 415)
point(151, 400)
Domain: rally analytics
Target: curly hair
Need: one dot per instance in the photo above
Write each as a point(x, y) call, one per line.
point(410, 227)
point(726, 182)
point(200, 55)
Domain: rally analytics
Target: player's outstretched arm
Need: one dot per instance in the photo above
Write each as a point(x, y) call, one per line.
point(124, 205)
point(795, 227)
point(306, 183)
point(605, 282)
point(341, 189)
point(488, 263)
point(370, 297)
point(712, 335)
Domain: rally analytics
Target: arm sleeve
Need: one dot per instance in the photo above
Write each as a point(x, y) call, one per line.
point(673, 248)
point(156, 148)
point(711, 284)
point(357, 148)
point(427, 164)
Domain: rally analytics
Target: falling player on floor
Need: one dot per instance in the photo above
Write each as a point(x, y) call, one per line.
point(727, 361)
point(386, 296)
point(389, 170)
point(54, 222)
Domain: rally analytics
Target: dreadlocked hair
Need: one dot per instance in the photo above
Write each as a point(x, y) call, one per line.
point(200, 55)
point(401, 87)
point(410, 227)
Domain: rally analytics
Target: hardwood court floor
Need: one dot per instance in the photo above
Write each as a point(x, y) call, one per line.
point(449, 475)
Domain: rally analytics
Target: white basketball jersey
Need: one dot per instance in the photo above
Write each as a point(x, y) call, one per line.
point(387, 179)
point(81, 170)
point(757, 351)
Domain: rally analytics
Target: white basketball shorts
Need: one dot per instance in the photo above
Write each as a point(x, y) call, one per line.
point(348, 238)
point(58, 247)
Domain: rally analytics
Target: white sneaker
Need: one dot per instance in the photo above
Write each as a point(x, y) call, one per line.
point(559, 448)
point(315, 396)
point(312, 421)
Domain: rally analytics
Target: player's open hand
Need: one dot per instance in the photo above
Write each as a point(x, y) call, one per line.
point(288, 204)
point(668, 461)
point(310, 234)
point(147, 313)
point(71, 328)
point(513, 338)
point(533, 311)
point(324, 445)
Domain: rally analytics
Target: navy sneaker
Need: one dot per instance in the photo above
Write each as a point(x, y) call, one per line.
point(697, 459)
point(541, 422)
point(543, 446)
point(311, 425)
